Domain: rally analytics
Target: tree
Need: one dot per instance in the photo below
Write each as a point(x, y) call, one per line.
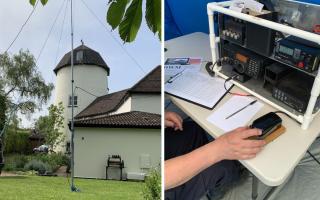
point(126, 15)
point(51, 125)
point(21, 80)
point(128, 18)
point(2, 111)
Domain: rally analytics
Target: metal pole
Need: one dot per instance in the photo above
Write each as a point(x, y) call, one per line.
point(73, 187)
point(254, 193)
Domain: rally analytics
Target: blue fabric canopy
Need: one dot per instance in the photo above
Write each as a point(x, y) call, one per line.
point(187, 16)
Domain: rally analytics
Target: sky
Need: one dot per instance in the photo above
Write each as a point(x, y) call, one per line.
point(145, 49)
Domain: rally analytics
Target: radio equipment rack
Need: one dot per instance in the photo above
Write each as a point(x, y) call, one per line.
point(222, 7)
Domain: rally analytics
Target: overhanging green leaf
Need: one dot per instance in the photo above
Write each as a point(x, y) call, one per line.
point(44, 2)
point(153, 15)
point(115, 12)
point(130, 25)
point(32, 2)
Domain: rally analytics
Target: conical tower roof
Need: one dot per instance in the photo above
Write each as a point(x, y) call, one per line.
point(82, 55)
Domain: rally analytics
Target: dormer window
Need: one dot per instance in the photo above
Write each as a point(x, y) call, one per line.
point(79, 56)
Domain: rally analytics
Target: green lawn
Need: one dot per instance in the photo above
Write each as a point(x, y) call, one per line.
point(39, 188)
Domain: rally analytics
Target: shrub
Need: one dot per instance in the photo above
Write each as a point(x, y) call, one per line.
point(15, 162)
point(55, 160)
point(152, 188)
point(38, 166)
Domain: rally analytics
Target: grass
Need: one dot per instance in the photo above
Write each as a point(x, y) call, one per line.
point(39, 188)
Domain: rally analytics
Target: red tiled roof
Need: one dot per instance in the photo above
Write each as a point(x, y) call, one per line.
point(151, 83)
point(133, 119)
point(104, 104)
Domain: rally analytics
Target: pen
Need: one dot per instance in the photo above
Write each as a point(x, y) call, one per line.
point(251, 103)
point(172, 78)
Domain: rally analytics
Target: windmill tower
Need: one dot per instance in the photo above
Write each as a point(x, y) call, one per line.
point(90, 81)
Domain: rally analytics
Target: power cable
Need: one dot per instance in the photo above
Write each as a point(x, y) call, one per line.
point(23, 25)
point(110, 33)
point(61, 32)
point(50, 31)
point(86, 91)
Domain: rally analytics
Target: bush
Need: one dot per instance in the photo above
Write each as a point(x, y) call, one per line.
point(55, 160)
point(38, 166)
point(152, 188)
point(15, 162)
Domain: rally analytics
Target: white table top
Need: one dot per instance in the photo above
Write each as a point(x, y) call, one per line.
point(279, 158)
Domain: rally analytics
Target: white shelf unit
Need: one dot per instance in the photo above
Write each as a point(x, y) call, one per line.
point(222, 7)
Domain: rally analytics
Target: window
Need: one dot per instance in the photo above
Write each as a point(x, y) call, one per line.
point(75, 100)
point(79, 56)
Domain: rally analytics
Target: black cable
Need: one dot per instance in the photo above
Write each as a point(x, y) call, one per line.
point(232, 93)
point(23, 25)
point(281, 112)
point(209, 67)
point(86, 91)
point(110, 33)
point(50, 31)
point(314, 158)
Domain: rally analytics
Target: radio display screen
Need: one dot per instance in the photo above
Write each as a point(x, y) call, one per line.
point(286, 50)
point(241, 58)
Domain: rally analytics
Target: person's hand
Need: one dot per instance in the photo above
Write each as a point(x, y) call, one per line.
point(235, 145)
point(173, 120)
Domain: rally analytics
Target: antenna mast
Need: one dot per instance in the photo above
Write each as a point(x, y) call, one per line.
point(73, 187)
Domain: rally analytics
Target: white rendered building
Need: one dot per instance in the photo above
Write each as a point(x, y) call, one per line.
point(90, 80)
point(125, 123)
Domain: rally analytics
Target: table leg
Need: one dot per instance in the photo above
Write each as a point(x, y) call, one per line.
point(254, 195)
point(269, 192)
point(255, 182)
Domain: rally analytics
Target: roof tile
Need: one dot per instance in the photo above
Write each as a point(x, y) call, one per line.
point(104, 104)
point(133, 119)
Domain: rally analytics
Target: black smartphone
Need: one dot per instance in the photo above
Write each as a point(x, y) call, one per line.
point(267, 123)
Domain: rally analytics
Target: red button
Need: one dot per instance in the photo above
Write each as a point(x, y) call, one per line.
point(300, 64)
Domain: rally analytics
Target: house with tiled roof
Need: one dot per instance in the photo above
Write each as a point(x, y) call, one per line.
point(124, 124)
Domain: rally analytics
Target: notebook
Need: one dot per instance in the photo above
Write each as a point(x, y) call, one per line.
point(198, 88)
point(219, 117)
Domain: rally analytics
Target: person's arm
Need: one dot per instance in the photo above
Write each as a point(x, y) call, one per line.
point(180, 169)
point(231, 146)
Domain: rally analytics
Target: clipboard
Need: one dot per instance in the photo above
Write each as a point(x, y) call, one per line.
point(197, 88)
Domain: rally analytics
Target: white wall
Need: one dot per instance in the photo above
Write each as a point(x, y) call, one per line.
point(146, 103)
point(91, 78)
point(93, 145)
point(126, 107)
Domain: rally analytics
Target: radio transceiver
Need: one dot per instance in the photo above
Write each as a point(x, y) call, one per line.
point(253, 36)
point(244, 61)
point(299, 53)
point(294, 91)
